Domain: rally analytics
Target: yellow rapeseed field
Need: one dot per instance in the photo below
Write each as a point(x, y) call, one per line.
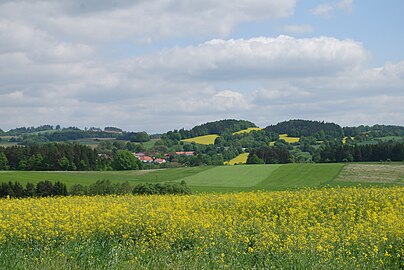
point(288, 139)
point(207, 139)
point(242, 158)
point(247, 130)
point(355, 227)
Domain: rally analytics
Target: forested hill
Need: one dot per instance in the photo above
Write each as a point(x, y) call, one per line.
point(298, 128)
point(217, 127)
point(375, 131)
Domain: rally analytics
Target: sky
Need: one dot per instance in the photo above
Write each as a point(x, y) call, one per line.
point(159, 65)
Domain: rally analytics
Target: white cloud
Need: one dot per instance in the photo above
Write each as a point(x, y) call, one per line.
point(256, 58)
point(283, 77)
point(140, 20)
point(53, 69)
point(298, 28)
point(327, 9)
point(322, 10)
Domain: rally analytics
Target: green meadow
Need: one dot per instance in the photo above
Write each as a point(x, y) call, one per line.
point(231, 178)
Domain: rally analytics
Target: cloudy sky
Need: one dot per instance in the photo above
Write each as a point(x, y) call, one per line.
point(158, 65)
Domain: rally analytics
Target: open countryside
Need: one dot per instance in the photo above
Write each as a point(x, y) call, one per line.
point(182, 135)
point(206, 198)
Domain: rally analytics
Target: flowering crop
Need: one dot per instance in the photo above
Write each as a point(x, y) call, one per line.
point(313, 228)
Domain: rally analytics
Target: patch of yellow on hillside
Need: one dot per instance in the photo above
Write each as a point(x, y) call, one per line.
point(345, 138)
point(288, 139)
point(206, 139)
point(242, 158)
point(248, 130)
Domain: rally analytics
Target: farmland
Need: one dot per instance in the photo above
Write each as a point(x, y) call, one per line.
point(288, 139)
point(332, 228)
point(269, 216)
point(242, 158)
point(373, 173)
point(206, 139)
point(247, 130)
point(230, 178)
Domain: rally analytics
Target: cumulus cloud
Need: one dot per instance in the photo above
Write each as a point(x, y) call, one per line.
point(256, 58)
point(53, 68)
point(95, 21)
point(283, 78)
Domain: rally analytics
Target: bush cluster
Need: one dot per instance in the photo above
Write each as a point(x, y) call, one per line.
point(41, 189)
point(162, 188)
point(101, 187)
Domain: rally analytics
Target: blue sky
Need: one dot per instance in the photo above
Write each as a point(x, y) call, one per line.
point(159, 65)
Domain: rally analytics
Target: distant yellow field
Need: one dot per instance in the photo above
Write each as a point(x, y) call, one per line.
point(345, 138)
point(242, 158)
point(207, 139)
point(288, 139)
point(247, 130)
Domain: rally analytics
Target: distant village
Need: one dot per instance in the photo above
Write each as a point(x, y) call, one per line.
point(153, 160)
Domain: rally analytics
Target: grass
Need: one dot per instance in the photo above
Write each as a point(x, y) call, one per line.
point(372, 173)
point(240, 159)
point(234, 178)
point(231, 176)
point(89, 177)
point(248, 130)
point(296, 175)
point(206, 139)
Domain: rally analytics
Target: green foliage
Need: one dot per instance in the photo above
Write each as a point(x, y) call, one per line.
point(52, 156)
point(271, 155)
point(3, 162)
point(44, 188)
point(162, 189)
point(335, 151)
point(134, 136)
point(254, 159)
point(217, 127)
point(125, 160)
point(298, 128)
point(78, 190)
point(113, 129)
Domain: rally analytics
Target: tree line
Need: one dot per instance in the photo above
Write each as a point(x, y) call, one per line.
point(300, 128)
point(334, 151)
point(217, 127)
point(65, 157)
point(101, 187)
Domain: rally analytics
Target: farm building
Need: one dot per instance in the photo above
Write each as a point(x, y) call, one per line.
point(186, 153)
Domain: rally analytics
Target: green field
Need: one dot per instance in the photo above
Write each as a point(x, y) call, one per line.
point(89, 177)
point(296, 175)
point(233, 178)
